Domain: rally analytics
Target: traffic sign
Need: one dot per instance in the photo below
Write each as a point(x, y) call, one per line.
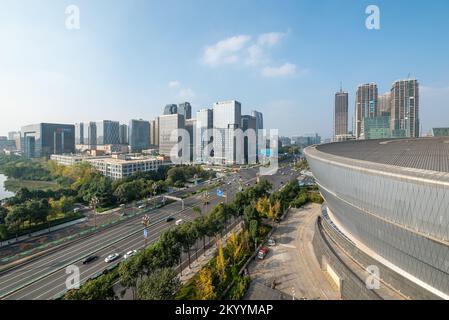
point(220, 193)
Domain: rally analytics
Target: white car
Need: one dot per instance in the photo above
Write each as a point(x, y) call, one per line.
point(271, 242)
point(129, 254)
point(111, 257)
point(178, 222)
point(142, 206)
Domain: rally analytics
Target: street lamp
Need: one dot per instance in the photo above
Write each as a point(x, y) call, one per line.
point(93, 204)
point(146, 223)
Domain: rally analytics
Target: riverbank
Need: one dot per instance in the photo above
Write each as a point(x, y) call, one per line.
point(13, 185)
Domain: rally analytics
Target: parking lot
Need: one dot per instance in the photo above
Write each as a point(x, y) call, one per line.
point(291, 264)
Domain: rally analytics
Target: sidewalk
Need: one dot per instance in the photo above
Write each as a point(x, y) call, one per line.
point(189, 272)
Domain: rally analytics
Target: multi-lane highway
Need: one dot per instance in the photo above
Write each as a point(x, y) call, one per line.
point(45, 277)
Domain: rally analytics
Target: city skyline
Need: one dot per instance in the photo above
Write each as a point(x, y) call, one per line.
point(267, 58)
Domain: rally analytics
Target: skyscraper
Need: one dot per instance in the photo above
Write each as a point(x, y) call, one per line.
point(170, 109)
point(139, 135)
point(259, 126)
point(168, 125)
point(365, 106)
point(227, 118)
point(259, 119)
point(249, 147)
point(385, 104)
point(190, 126)
point(405, 107)
point(91, 135)
point(204, 135)
point(185, 109)
point(154, 135)
point(79, 133)
point(123, 134)
point(108, 132)
point(341, 114)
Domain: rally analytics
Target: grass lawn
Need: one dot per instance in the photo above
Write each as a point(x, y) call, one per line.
point(14, 185)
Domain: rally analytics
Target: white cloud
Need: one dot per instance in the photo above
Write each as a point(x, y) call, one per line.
point(174, 84)
point(225, 51)
point(270, 39)
point(254, 54)
point(287, 69)
point(187, 94)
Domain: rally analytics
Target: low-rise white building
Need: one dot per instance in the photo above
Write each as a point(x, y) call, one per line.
point(121, 166)
point(72, 159)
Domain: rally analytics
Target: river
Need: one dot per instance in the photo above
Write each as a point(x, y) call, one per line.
point(4, 193)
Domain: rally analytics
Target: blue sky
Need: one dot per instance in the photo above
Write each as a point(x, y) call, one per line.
point(285, 58)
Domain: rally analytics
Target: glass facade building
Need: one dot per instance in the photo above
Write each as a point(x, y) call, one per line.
point(204, 135)
point(108, 132)
point(170, 109)
point(45, 139)
point(185, 109)
point(139, 135)
point(227, 118)
point(168, 125)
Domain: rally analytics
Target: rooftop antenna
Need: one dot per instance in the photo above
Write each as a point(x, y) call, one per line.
point(341, 86)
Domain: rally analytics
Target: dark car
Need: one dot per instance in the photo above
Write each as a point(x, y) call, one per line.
point(170, 219)
point(90, 259)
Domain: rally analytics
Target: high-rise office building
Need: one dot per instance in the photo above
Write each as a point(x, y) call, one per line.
point(385, 104)
point(170, 109)
point(154, 135)
point(168, 125)
point(204, 135)
point(79, 133)
point(259, 119)
point(185, 109)
point(227, 118)
point(190, 126)
point(365, 106)
point(139, 135)
point(341, 114)
point(45, 139)
point(249, 125)
point(91, 135)
point(15, 135)
point(405, 107)
point(259, 126)
point(123, 134)
point(108, 132)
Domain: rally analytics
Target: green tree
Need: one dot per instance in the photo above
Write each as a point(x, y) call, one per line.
point(130, 272)
point(254, 231)
point(16, 218)
point(162, 284)
point(187, 237)
point(3, 233)
point(101, 288)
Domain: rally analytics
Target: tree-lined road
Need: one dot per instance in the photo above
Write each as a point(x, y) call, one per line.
point(45, 277)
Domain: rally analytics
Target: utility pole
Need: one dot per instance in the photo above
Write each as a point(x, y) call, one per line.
point(146, 223)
